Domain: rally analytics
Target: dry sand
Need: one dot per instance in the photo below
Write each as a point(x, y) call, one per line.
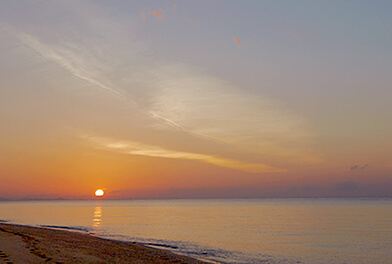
point(25, 244)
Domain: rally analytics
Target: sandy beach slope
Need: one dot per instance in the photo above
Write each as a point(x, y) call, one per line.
point(25, 244)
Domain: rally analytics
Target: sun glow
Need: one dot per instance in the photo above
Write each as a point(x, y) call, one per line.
point(99, 193)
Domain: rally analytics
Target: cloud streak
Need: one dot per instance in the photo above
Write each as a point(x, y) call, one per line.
point(214, 109)
point(181, 97)
point(76, 66)
point(65, 59)
point(140, 149)
point(359, 167)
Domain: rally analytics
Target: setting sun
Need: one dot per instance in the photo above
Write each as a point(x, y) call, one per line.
point(99, 193)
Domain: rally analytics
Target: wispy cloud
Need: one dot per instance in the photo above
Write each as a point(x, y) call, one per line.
point(65, 59)
point(75, 65)
point(180, 97)
point(137, 148)
point(237, 40)
point(215, 109)
point(359, 167)
point(73, 61)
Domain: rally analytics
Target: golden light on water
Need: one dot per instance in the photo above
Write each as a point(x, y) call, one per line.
point(99, 193)
point(97, 217)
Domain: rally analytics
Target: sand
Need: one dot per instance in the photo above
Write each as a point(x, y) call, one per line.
point(25, 244)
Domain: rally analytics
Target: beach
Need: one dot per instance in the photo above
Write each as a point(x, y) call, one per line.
point(27, 244)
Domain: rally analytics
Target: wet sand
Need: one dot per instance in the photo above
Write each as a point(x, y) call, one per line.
point(25, 244)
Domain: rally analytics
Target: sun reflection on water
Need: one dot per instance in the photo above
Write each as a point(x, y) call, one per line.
point(97, 219)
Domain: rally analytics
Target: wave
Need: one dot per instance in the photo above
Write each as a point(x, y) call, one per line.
point(72, 228)
point(200, 252)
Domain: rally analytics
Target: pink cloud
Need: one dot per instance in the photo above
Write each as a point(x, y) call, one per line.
point(174, 7)
point(143, 16)
point(289, 33)
point(237, 40)
point(159, 14)
point(156, 13)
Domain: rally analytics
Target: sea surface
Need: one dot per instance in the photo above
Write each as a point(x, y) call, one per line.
point(313, 231)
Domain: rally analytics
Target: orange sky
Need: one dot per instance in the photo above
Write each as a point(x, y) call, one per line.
point(143, 107)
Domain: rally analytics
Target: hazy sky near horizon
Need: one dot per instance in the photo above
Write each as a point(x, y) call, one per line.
point(152, 99)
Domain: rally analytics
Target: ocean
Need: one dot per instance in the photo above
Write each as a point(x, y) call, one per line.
point(325, 231)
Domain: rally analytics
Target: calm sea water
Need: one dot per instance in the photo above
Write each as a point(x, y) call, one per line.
point(231, 231)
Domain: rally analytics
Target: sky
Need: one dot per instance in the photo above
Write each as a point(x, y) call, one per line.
point(195, 99)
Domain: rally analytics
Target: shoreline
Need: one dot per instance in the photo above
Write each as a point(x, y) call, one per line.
point(30, 244)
